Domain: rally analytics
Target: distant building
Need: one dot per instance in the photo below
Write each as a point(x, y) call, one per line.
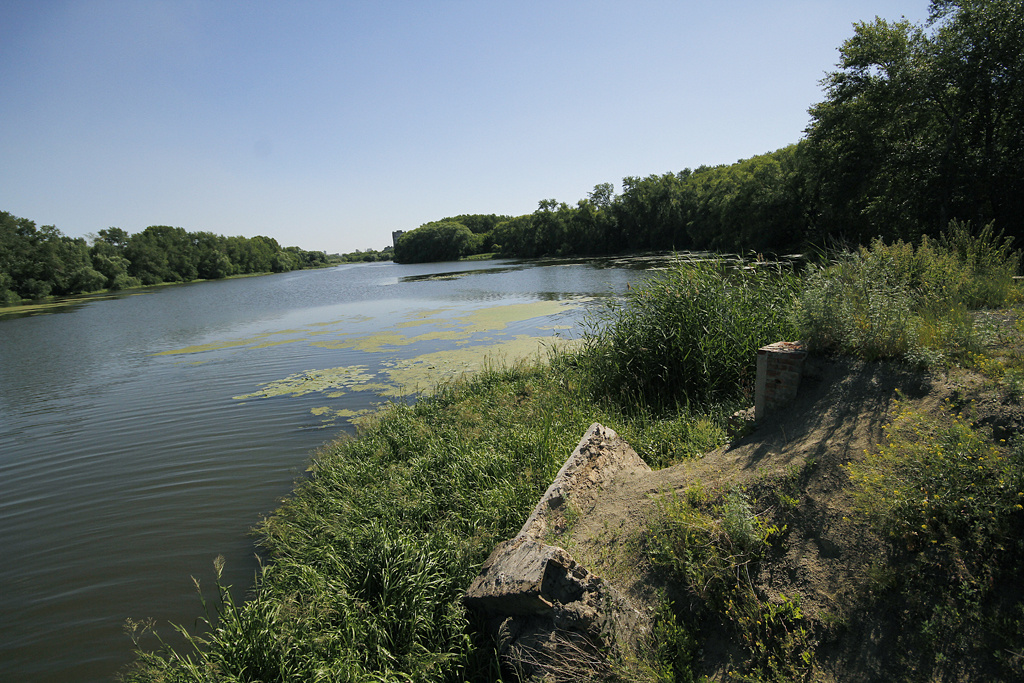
point(395, 235)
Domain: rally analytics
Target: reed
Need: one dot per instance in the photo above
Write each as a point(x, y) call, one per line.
point(688, 335)
point(900, 300)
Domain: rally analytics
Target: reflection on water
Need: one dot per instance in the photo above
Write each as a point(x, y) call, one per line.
point(143, 435)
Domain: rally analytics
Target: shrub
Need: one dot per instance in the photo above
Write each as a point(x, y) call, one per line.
point(988, 261)
point(688, 335)
point(124, 281)
point(893, 300)
point(951, 503)
point(860, 305)
point(936, 475)
point(708, 543)
point(86, 279)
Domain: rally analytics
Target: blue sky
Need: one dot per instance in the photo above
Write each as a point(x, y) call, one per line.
point(327, 125)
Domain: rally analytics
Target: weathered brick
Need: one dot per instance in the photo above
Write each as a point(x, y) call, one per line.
point(779, 367)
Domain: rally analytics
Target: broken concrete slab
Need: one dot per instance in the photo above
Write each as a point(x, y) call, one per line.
point(546, 611)
point(599, 457)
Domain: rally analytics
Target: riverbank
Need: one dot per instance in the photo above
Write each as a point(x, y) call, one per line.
point(195, 408)
point(370, 556)
point(52, 303)
point(834, 542)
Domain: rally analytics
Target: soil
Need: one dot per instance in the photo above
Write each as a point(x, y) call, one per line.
point(826, 556)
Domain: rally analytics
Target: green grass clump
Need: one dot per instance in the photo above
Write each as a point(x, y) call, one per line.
point(663, 440)
point(898, 300)
point(951, 502)
point(709, 543)
point(688, 335)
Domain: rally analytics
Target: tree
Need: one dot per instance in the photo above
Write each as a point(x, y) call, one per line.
point(253, 255)
point(86, 279)
point(602, 195)
point(162, 253)
point(439, 241)
point(115, 237)
point(36, 262)
point(515, 237)
point(922, 124)
point(652, 213)
point(978, 67)
point(756, 204)
point(551, 224)
point(212, 262)
point(112, 266)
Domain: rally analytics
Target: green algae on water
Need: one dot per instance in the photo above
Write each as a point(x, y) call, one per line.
point(310, 381)
point(417, 374)
point(410, 376)
point(459, 329)
point(330, 417)
point(257, 341)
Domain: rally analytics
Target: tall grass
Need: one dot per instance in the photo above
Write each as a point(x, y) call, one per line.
point(898, 300)
point(688, 335)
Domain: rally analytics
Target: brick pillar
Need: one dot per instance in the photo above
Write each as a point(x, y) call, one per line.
point(779, 367)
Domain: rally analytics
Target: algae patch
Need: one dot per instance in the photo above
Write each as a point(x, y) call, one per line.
point(345, 412)
point(258, 341)
point(330, 417)
point(475, 340)
point(409, 376)
point(440, 326)
point(302, 383)
point(499, 317)
point(416, 374)
point(459, 329)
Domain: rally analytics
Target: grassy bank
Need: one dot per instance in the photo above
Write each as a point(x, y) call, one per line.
point(369, 557)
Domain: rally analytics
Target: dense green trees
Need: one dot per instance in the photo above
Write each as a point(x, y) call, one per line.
point(920, 125)
point(479, 224)
point(923, 124)
point(36, 262)
point(757, 204)
point(754, 204)
point(367, 255)
point(108, 259)
point(437, 241)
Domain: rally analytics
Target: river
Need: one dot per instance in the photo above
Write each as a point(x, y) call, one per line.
point(143, 435)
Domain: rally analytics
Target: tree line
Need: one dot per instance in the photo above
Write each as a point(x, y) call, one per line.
point(37, 262)
point(365, 255)
point(921, 124)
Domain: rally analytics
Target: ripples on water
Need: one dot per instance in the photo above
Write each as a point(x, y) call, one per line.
point(123, 473)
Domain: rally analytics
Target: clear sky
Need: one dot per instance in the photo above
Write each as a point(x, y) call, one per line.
point(327, 125)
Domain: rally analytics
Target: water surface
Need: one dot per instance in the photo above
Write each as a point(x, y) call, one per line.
point(141, 436)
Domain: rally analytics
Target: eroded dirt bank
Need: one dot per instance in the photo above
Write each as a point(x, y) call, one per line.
point(824, 555)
